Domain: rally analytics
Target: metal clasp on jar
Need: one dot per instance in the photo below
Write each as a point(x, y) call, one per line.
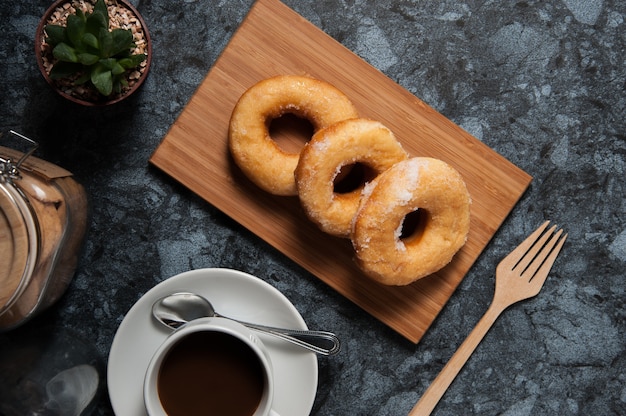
point(10, 170)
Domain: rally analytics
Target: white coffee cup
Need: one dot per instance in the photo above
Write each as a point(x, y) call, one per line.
point(219, 359)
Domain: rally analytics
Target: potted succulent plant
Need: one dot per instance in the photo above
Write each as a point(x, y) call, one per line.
point(93, 53)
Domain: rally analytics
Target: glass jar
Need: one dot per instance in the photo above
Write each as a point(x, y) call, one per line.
point(43, 218)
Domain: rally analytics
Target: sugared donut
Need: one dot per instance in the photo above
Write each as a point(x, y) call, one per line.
point(258, 156)
point(344, 144)
point(426, 191)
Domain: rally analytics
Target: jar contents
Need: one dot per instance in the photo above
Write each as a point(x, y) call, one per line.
point(43, 218)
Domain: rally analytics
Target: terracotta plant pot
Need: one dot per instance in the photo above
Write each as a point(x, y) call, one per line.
point(86, 94)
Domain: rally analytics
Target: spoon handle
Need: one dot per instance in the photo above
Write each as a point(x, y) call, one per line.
point(321, 342)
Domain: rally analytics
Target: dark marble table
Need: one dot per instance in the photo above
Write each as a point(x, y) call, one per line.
point(542, 83)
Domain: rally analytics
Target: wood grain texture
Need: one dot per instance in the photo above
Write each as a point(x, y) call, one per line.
point(274, 40)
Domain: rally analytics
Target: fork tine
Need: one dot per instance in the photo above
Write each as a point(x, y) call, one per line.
point(518, 253)
point(537, 272)
point(533, 250)
point(540, 267)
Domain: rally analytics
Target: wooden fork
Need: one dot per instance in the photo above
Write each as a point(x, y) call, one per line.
point(519, 276)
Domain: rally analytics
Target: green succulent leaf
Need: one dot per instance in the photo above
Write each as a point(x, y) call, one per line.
point(90, 40)
point(108, 63)
point(126, 63)
point(125, 53)
point(95, 22)
point(139, 58)
point(56, 34)
point(102, 79)
point(87, 58)
point(101, 8)
point(105, 38)
point(75, 29)
point(132, 61)
point(64, 69)
point(121, 83)
point(64, 52)
point(122, 41)
point(117, 69)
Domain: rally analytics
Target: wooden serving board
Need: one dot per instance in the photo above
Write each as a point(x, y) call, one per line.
point(275, 40)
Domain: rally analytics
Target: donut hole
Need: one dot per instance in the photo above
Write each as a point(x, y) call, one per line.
point(352, 177)
point(413, 226)
point(290, 132)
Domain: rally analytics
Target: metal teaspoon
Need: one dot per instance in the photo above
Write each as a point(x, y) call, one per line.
point(177, 309)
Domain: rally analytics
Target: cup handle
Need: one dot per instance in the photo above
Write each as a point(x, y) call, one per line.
point(273, 413)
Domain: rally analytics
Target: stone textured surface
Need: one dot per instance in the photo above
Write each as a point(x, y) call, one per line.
point(543, 83)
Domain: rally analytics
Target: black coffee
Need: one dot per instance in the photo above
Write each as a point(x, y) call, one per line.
point(210, 373)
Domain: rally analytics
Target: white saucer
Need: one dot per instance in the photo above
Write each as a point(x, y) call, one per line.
point(234, 294)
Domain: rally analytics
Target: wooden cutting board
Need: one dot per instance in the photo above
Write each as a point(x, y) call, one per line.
point(275, 40)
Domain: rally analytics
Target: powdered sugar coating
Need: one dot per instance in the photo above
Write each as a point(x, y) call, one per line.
point(344, 144)
point(438, 193)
